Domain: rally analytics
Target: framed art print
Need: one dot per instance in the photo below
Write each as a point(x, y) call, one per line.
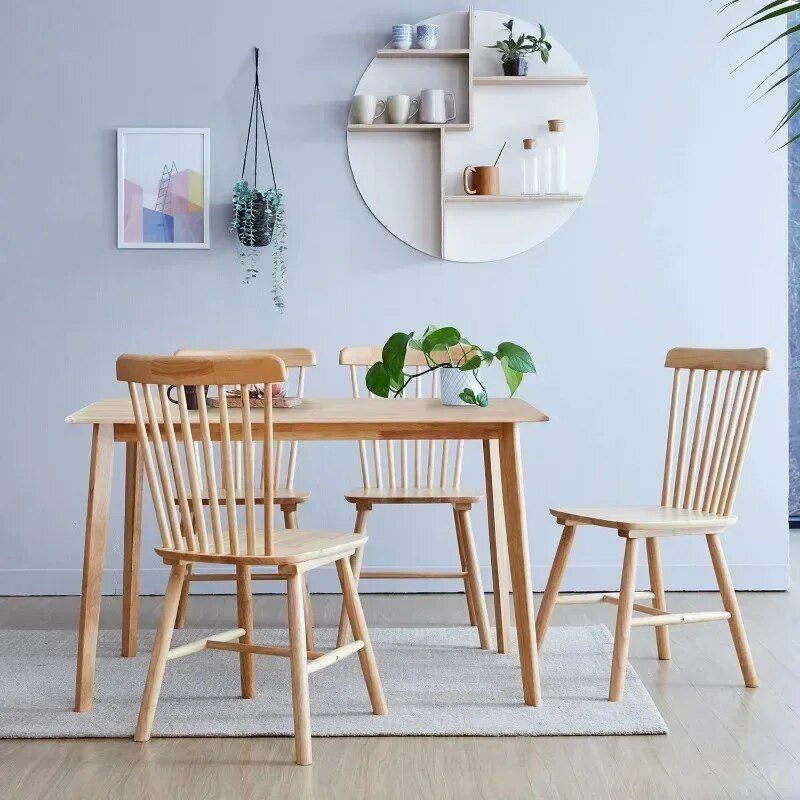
point(163, 187)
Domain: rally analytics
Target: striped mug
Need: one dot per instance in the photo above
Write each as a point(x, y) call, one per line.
point(401, 36)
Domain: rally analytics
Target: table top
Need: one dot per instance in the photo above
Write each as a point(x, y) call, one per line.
point(341, 411)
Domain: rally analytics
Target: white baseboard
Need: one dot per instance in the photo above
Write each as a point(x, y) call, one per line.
point(581, 577)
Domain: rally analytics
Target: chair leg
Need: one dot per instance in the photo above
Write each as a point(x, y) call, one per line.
point(299, 670)
point(622, 634)
point(732, 607)
point(475, 584)
point(180, 620)
point(366, 656)
point(553, 583)
point(244, 610)
point(356, 560)
point(181, 616)
point(290, 517)
point(158, 659)
point(660, 599)
point(460, 539)
point(290, 520)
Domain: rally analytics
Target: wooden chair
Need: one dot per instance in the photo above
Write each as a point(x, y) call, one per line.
point(285, 495)
point(190, 538)
point(701, 477)
point(419, 477)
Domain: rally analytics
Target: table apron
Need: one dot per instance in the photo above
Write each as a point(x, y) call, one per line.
point(336, 431)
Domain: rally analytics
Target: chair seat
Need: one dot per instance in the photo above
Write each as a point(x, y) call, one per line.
point(643, 518)
point(413, 496)
point(282, 497)
point(289, 547)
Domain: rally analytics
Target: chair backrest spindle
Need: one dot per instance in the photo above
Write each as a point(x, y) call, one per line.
point(267, 483)
point(714, 435)
point(429, 469)
point(297, 360)
point(185, 529)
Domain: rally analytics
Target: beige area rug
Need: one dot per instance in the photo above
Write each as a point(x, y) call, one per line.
point(437, 683)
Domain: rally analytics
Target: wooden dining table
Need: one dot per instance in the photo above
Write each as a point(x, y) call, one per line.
point(318, 419)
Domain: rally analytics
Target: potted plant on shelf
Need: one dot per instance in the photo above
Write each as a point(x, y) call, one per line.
point(458, 359)
point(514, 52)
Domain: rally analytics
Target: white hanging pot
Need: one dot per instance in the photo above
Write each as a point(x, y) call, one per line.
point(453, 382)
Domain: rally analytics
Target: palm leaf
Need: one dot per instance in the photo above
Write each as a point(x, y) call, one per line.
point(793, 139)
point(793, 109)
point(777, 13)
point(777, 69)
point(783, 35)
point(762, 10)
point(770, 11)
point(778, 83)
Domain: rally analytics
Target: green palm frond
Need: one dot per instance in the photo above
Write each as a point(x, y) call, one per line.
point(770, 11)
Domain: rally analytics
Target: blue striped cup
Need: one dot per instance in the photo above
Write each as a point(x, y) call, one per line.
point(402, 36)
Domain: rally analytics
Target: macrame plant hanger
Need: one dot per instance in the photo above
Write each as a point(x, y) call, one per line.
point(256, 109)
point(259, 214)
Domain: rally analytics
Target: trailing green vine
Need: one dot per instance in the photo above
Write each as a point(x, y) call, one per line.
point(259, 220)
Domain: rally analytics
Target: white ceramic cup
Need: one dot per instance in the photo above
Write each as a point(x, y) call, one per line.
point(433, 106)
point(364, 109)
point(399, 108)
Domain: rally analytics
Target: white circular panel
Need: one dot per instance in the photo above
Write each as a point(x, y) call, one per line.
point(411, 179)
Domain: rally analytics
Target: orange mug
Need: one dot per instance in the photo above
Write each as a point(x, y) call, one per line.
point(482, 180)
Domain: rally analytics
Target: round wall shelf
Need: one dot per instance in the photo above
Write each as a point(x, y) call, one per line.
point(410, 176)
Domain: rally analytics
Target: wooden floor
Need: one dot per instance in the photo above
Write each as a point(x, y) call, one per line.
point(725, 741)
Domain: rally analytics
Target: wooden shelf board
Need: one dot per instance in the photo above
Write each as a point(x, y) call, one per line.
point(531, 80)
point(509, 198)
point(390, 52)
point(385, 126)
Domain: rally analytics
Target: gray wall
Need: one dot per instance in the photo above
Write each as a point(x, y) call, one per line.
point(682, 240)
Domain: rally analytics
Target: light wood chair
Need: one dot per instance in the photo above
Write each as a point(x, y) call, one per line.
point(420, 477)
point(701, 477)
point(190, 538)
point(285, 494)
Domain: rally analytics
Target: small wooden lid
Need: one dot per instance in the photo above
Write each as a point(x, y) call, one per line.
point(529, 144)
point(556, 125)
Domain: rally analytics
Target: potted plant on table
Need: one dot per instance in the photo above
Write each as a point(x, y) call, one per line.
point(458, 359)
point(514, 52)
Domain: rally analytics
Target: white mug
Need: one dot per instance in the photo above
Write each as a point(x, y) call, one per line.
point(433, 106)
point(364, 109)
point(398, 108)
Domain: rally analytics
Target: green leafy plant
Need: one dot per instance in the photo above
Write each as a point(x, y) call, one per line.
point(445, 348)
point(523, 46)
point(258, 221)
point(770, 11)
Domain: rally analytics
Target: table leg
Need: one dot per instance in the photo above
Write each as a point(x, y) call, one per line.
point(498, 546)
point(100, 469)
point(132, 548)
point(517, 536)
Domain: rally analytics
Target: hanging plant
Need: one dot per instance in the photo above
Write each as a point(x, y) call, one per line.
point(259, 214)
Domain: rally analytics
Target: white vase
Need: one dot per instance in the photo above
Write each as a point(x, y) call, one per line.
point(453, 382)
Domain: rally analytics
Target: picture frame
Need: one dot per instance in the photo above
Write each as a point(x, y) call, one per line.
point(163, 188)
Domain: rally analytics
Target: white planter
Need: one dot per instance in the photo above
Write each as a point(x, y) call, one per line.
point(453, 382)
